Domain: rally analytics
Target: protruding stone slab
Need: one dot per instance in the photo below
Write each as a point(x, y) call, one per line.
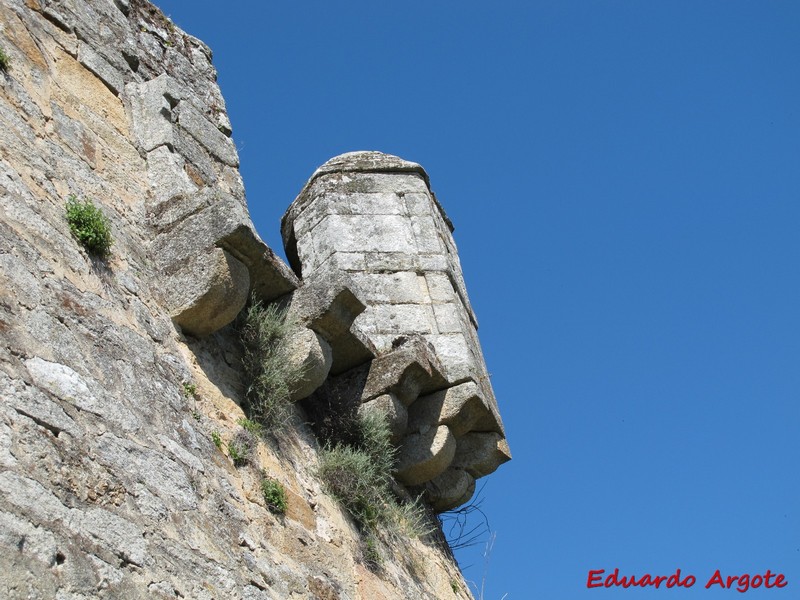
point(330, 311)
point(311, 356)
point(409, 370)
point(452, 488)
point(209, 292)
point(460, 407)
point(425, 455)
point(151, 111)
point(270, 277)
point(481, 453)
point(212, 254)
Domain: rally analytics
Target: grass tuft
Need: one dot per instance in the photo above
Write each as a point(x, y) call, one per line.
point(370, 553)
point(359, 476)
point(242, 447)
point(264, 334)
point(5, 61)
point(252, 427)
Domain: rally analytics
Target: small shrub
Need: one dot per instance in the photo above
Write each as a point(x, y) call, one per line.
point(350, 476)
point(371, 554)
point(274, 495)
point(237, 454)
point(89, 226)
point(5, 60)
point(410, 518)
point(252, 427)
point(242, 447)
point(264, 333)
point(189, 390)
point(359, 476)
point(375, 439)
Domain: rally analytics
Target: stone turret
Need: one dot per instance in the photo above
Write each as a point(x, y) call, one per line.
point(373, 219)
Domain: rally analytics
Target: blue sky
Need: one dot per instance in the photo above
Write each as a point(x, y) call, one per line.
point(623, 177)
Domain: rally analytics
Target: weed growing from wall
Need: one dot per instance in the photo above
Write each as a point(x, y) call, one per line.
point(359, 476)
point(264, 334)
point(5, 61)
point(274, 495)
point(351, 478)
point(370, 553)
point(241, 449)
point(89, 226)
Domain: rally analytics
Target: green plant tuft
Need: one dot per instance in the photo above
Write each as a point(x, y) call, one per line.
point(89, 226)
point(274, 495)
point(350, 476)
point(264, 334)
point(242, 447)
point(237, 454)
point(359, 476)
point(5, 60)
point(375, 440)
point(251, 427)
point(189, 390)
point(370, 553)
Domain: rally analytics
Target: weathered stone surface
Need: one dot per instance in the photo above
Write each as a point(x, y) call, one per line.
point(450, 489)
point(330, 311)
point(311, 356)
point(425, 455)
point(392, 409)
point(169, 181)
point(460, 407)
point(481, 453)
point(201, 129)
point(409, 370)
point(68, 386)
point(100, 67)
point(112, 484)
point(209, 292)
point(31, 402)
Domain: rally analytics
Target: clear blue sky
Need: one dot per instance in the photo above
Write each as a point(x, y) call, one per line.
point(625, 184)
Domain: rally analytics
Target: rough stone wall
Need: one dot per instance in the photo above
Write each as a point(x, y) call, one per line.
point(110, 483)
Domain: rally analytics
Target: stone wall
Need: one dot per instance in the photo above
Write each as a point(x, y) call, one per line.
point(115, 373)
